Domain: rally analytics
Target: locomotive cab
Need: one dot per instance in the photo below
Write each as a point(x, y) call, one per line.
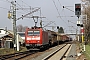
point(35, 38)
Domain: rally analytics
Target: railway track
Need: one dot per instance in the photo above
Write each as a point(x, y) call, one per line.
point(17, 56)
point(58, 54)
point(23, 55)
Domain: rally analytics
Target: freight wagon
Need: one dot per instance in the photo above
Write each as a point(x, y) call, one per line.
point(52, 38)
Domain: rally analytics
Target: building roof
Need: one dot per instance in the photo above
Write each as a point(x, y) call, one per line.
point(19, 37)
point(2, 35)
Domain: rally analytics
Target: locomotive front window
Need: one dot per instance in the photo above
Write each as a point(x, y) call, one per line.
point(36, 32)
point(30, 33)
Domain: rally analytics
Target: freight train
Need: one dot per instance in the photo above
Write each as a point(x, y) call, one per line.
point(37, 38)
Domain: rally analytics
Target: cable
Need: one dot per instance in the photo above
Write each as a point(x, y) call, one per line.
point(56, 7)
point(4, 8)
point(59, 3)
point(21, 7)
point(59, 13)
point(3, 0)
point(48, 20)
point(64, 12)
point(8, 1)
point(68, 9)
point(57, 10)
point(25, 3)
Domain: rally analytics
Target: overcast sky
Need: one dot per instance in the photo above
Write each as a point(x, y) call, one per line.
point(50, 9)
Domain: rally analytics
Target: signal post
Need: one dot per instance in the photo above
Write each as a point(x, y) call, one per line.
point(78, 13)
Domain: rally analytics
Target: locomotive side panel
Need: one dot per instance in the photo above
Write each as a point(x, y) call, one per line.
point(45, 39)
point(26, 42)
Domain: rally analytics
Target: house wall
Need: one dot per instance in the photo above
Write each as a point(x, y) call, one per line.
point(2, 31)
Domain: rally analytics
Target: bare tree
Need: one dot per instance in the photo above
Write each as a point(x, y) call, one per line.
point(21, 28)
point(24, 28)
point(86, 11)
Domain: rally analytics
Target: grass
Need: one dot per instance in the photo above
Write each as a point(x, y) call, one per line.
point(4, 51)
point(87, 53)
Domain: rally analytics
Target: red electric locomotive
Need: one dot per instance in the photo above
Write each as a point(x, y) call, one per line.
point(36, 38)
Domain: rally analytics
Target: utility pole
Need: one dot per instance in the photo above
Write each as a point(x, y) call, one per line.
point(12, 15)
point(14, 22)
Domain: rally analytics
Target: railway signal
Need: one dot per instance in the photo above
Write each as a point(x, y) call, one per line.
point(77, 9)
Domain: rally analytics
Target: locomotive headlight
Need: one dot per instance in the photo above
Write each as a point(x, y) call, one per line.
point(38, 41)
point(28, 38)
point(27, 41)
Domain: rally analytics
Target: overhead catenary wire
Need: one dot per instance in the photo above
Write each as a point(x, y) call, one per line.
point(31, 9)
point(5, 8)
point(56, 7)
point(68, 8)
point(62, 19)
point(20, 7)
point(48, 19)
point(8, 1)
point(63, 9)
point(57, 10)
point(68, 20)
point(3, 1)
point(59, 13)
point(60, 3)
point(30, 6)
point(64, 12)
point(25, 3)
